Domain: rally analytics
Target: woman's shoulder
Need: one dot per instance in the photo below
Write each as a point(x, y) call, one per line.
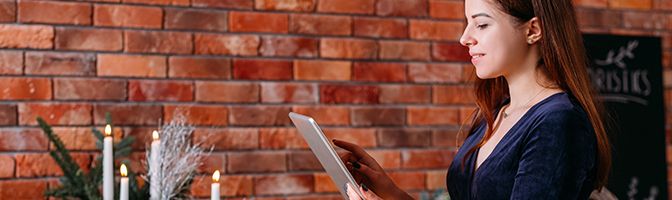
point(561, 116)
point(558, 108)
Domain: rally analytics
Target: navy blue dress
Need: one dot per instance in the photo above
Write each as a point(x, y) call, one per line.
point(550, 153)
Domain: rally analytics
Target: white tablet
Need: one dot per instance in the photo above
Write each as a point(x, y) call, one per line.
point(325, 153)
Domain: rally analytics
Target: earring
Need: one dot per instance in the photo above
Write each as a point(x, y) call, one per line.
point(530, 40)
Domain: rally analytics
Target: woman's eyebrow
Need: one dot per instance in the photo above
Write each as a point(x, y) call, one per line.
point(480, 15)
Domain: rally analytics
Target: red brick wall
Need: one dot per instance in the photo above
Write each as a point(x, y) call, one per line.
point(387, 74)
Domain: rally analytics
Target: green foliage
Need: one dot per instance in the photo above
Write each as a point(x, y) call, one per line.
point(77, 183)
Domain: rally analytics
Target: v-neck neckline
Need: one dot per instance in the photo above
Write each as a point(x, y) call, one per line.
point(506, 135)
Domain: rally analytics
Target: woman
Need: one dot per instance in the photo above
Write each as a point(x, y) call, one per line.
point(537, 132)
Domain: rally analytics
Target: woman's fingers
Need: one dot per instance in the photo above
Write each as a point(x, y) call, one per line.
point(368, 194)
point(357, 151)
point(347, 157)
point(361, 168)
point(359, 177)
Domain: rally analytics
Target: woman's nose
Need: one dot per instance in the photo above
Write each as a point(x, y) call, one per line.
point(466, 40)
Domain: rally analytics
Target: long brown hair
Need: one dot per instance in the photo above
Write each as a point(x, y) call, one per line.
point(564, 62)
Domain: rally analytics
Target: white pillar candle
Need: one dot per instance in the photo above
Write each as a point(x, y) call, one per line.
point(123, 183)
point(214, 188)
point(154, 166)
point(108, 161)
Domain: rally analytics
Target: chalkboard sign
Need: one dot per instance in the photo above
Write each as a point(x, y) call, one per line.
point(627, 72)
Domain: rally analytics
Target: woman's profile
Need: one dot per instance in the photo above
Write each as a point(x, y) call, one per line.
point(537, 132)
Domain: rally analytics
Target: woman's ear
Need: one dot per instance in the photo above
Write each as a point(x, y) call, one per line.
point(533, 33)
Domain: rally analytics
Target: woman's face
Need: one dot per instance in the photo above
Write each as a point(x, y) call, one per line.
point(497, 44)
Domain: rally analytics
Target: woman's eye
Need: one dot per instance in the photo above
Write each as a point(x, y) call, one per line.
point(481, 26)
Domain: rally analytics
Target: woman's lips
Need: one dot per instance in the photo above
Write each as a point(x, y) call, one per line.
point(476, 57)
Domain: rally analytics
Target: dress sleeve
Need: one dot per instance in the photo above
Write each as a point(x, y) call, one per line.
point(556, 157)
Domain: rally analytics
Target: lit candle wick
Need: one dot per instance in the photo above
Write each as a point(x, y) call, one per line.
point(108, 130)
point(123, 170)
point(215, 176)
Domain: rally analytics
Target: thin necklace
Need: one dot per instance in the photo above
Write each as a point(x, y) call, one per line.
point(525, 105)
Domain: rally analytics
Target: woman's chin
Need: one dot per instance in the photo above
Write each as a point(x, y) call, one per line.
point(482, 74)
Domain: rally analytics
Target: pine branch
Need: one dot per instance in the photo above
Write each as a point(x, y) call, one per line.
point(65, 191)
point(62, 157)
point(108, 118)
point(96, 172)
point(125, 142)
point(67, 163)
point(98, 134)
point(94, 178)
point(123, 148)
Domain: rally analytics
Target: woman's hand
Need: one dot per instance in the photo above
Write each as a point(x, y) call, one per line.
point(368, 194)
point(367, 172)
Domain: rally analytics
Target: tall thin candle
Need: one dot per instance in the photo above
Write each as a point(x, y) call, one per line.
point(108, 170)
point(154, 166)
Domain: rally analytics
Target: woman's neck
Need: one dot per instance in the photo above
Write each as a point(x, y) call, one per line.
point(526, 82)
point(524, 87)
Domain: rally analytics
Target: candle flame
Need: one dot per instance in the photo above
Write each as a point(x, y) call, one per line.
point(155, 135)
point(215, 176)
point(123, 170)
point(108, 130)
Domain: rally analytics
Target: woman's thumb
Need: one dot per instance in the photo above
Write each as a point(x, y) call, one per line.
point(352, 194)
